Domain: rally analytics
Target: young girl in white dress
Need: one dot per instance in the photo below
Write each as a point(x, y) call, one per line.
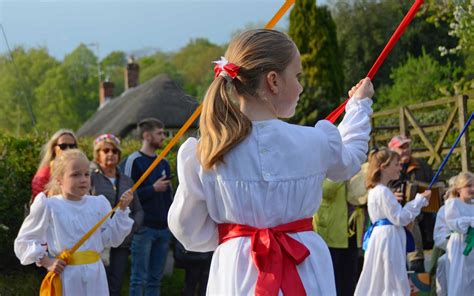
point(459, 214)
point(384, 271)
point(251, 184)
point(63, 218)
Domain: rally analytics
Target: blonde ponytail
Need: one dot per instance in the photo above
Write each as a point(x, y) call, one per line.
point(222, 125)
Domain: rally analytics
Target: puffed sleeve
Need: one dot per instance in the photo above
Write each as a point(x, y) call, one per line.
point(115, 229)
point(188, 217)
point(398, 215)
point(441, 230)
point(348, 144)
point(33, 231)
point(454, 217)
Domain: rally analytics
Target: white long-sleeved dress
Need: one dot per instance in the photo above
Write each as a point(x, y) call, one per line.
point(384, 272)
point(459, 217)
point(271, 178)
point(441, 233)
point(61, 223)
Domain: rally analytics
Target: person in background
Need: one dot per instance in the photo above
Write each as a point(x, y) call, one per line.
point(62, 140)
point(150, 243)
point(413, 169)
point(107, 180)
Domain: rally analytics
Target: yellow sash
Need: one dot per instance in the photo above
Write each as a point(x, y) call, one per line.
point(51, 284)
point(356, 224)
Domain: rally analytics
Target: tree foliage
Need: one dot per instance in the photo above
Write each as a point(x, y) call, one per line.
point(419, 79)
point(322, 72)
point(20, 74)
point(69, 94)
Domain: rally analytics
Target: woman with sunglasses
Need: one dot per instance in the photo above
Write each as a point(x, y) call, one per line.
point(62, 140)
point(107, 180)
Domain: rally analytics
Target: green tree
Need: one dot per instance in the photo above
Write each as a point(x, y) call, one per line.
point(69, 94)
point(194, 63)
point(322, 72)
point(158, 63)
point(113, 66)
point(459, 17)
point(20, 74)
point(418, 79)
point(362, 37)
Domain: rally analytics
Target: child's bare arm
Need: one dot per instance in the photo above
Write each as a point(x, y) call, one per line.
point(54, 265)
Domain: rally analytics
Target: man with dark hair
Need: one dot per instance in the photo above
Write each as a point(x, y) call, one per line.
point(151, 242)
point(413, 169)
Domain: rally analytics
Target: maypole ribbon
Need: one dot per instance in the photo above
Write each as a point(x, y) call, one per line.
point(51, 285)
point(435, 178)
point(393, 40)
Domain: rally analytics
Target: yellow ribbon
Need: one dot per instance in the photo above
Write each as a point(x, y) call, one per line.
point(51, 284)
point(356, 224)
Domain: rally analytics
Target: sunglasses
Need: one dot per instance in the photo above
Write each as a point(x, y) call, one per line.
point(65, 146)
point(107, 150)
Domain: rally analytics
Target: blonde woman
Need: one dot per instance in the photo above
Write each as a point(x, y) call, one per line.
point(62, 140)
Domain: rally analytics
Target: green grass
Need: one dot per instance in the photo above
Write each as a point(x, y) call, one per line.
point(26, 281)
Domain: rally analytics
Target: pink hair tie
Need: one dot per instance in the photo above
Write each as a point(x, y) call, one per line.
point(225, 69)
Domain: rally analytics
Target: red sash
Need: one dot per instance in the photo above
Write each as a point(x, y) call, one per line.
point(275, 254)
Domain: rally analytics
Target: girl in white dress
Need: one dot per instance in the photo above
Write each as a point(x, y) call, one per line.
point(441, 235)
point(63, 218)
point(384, 272)
point(459, 213)
point(251, 184)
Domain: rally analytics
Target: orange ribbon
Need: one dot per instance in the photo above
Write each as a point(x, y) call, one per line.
point(275, 254)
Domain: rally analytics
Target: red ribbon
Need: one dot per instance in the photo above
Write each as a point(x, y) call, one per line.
point(396, 35)
point(229, 68)
point(275, 254)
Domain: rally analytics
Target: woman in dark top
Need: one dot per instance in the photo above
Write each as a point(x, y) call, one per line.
point(106, 179)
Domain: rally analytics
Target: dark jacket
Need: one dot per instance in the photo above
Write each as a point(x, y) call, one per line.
point(101, 185)
point(415, 170)
point(155, 204)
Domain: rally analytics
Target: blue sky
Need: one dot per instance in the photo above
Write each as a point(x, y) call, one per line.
point(127, 25)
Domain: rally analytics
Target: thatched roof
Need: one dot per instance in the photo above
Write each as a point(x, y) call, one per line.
point(159, 97)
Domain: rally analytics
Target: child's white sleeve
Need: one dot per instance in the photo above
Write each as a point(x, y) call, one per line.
point(28, 244)
point(188, 217)
point(441, 231)
point(115, 229)
point(454, 218)
point(398, 215)
point(348, 143)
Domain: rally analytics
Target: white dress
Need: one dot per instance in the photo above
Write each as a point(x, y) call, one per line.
point(273, 177)
point(384, 272)
point(61, 223)
point(459, 217)
point(440, 235)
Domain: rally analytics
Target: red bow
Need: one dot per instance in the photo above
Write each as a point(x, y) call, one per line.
point(275, 254)
point(223, 65)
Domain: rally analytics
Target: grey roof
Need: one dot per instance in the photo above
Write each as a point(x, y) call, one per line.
point(159, 97)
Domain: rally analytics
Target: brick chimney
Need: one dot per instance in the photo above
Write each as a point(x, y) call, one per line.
point(106, 92)
point(132, 72)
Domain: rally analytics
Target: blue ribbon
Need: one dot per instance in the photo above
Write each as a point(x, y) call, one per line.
point(435, 178)
point(410, 247)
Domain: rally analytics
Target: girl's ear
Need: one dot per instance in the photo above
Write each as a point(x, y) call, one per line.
point(272, 82)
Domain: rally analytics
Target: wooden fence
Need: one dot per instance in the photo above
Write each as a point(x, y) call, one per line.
point(433, 126)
